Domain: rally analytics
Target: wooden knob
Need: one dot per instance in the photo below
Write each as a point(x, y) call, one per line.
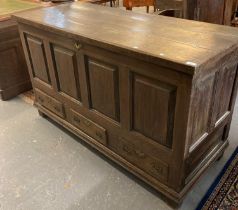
point(77, 120)
point(140, 154)
point(99, 135)
point(87, 123)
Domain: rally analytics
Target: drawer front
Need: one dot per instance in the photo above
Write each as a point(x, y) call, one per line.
point(203, 150)
point(135, 155)
point(50, 103)
point(88, 127)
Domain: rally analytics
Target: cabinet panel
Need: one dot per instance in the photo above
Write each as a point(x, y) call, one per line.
point(65, 63)
point(104, 92)
point(8, 66)
point(203, 92)
point(211, 11)
point(153, 109)
point(225, 82)
point(38, 59)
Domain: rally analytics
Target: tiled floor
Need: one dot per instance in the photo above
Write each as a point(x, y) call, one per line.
point(43, 167)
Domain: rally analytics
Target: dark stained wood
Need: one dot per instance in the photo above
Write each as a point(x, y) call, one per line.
point(38, 59)
point(160, 107)
point(14, 77)
point(50, 103)
point(66, 71)
point(89, 127)
point(230, 7)
point(224, 91)
point(202, 106)
point(104, 95)
point(212, 11)
point(153, 109)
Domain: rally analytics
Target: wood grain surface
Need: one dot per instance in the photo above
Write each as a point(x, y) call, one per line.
point(187, 43)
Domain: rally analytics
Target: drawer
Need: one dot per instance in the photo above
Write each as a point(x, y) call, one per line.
point(134, 154)
point(87, 126)
point(202, 151)
point(50, 103)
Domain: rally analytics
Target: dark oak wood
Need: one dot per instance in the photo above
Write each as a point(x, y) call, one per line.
point(104, 95)
point(154, 107)
point(14, 77)
point(66, 71)
point(38, 59)
point(160, 107)
point(212, 11)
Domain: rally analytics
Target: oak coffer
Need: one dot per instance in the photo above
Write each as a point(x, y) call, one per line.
point(155, 94)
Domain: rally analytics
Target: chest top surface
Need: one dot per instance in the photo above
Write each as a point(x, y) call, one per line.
point(183, 42)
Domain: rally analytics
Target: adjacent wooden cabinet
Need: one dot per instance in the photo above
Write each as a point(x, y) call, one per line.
point(14, 77)
point(212, 11)
point(160, 107)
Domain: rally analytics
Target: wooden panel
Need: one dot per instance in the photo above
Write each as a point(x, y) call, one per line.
point(153, 109)
point(50, 103)
point(38, 59)
point(89, 127)
point(66, 71)
point(14, 76)
point(224, 89)
point(13, 69)
point(103, 82)
point(201, 108)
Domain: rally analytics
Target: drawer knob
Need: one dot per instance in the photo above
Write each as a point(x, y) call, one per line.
point(157, 168)
point(87, 123)
point(140, 154)
point(77, 46)
point(98, 134)
point(126, 149)
point(131, 151)
point(41, 99)
point(77, 120)
point(56, 108)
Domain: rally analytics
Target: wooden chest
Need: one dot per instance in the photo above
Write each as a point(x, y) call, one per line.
point(156, 100)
